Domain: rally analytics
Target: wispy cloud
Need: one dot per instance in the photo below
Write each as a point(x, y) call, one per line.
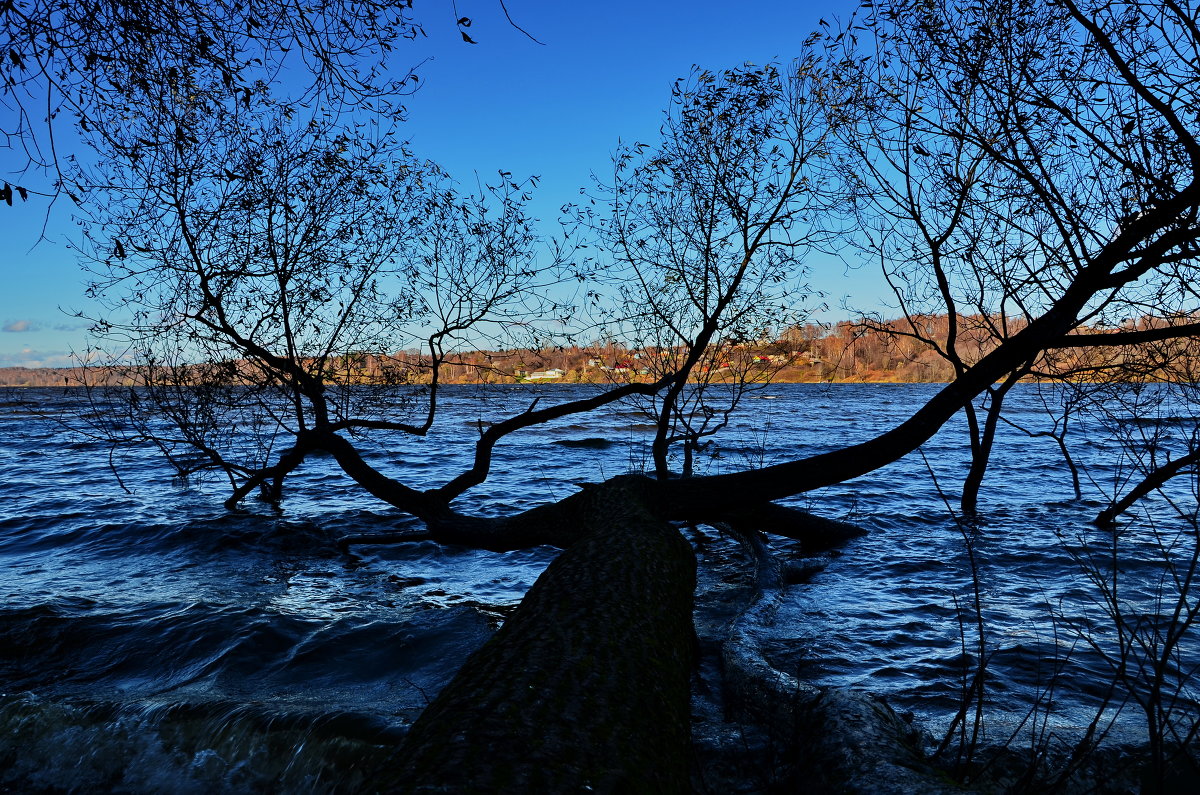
point(28, 357)
point(25, 324)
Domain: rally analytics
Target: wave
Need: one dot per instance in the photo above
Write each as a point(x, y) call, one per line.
point(135, 623)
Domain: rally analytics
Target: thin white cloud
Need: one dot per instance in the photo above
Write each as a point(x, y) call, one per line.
point(18, 326)
point(28, 357)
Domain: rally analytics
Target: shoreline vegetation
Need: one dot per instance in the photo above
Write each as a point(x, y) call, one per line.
point(71, 377)
point(853, 352)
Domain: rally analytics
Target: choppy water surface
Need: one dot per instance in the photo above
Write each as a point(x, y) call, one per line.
point(151, 641)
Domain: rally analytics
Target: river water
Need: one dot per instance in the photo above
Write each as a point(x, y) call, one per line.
point(151, 641)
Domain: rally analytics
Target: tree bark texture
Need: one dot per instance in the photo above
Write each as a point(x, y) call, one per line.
point(586, 686)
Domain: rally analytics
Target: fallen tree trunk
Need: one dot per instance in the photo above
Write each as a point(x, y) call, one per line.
point(586, 686)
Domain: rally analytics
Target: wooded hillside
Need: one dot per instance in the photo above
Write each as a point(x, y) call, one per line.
point(863, 350)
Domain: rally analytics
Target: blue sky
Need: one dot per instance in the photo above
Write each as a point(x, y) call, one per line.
point(555, 109)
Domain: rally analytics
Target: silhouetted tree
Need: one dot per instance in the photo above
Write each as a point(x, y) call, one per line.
point(1005, 148)
point(1048, 170)
point(708, 232)
point(251, 262)
point(72, 69)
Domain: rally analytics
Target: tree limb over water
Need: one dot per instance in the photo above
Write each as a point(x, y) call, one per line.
point(1028, 170)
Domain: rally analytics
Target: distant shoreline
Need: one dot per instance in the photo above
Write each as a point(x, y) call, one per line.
point(68, 378)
